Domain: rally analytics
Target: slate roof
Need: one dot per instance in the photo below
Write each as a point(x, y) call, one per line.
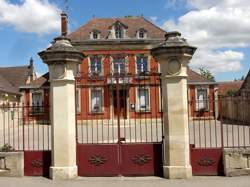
point(11, 78)
point(103, 25)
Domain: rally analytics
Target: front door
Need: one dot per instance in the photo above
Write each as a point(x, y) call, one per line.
point(121, 99)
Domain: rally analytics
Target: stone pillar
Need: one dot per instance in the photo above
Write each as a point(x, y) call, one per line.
point(62, 59)
point(173, 56)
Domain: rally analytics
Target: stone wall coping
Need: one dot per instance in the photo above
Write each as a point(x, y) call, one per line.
point(228, 151)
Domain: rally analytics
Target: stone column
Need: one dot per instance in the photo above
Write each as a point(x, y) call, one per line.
point(173, 56)
point(62, 59)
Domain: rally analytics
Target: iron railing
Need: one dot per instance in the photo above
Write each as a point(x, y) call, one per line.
point(24, 127)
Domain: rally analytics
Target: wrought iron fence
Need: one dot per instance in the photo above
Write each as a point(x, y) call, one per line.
point(24, 127)
point(119, 108)
point(220, 122)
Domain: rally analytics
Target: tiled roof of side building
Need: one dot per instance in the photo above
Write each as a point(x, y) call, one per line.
point(195, 78)
point(6, 86)
point(40, 82)
point(224, 87)
point(103, 26)
point(17, 76)
point(11, 78)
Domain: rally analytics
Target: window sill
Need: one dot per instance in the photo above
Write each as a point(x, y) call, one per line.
point(95, 77)
point(142, 77)
point(143, 111)
point(96, 113)
point(201, 110)
point(37, 114)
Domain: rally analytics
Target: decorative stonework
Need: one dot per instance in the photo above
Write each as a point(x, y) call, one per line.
point(141, 159)
point(59, 71)
point(174, 67)
point(97, 160)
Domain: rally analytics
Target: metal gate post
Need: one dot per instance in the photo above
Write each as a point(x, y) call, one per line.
point(173, 56)
point(62, 59)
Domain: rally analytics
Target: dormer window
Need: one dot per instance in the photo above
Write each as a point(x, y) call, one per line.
point(141, 33)
point(95, 34)
point(118, 31)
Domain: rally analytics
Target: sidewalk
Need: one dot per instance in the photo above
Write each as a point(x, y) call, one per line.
point(127, 182)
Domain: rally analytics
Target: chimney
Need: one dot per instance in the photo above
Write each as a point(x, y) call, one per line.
point(64, 24)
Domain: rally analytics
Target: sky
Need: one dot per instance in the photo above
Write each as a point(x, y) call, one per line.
point(219, 28)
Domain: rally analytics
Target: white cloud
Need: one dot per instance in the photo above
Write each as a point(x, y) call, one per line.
point(153, 18)
point(32, 16)
point(217, 28)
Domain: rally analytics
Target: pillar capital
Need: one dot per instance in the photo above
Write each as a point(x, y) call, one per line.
point(173, 55)
point(62, 59)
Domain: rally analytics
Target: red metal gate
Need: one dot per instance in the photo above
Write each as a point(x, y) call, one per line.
point(119, 125)
point(211, 130)
point(26, 128)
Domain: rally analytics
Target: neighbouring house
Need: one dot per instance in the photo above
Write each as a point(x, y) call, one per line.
point(121, 47)
point(229, 88)
point(11, 79)
point(202, 95)
point(245, 87)
point(236, 106)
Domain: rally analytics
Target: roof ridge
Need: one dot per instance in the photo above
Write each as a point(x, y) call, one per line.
point(14, 67)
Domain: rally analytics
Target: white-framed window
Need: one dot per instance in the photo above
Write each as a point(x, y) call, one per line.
point(78, 100)
point(119, 65)
point(118, 31)
point(143, 99)
point(95, 65)
point(141, 34)
point(37, 102)
point(202, 102)
point(37, 98)
point(95, 34)
point(142, 65)
point(96, 100)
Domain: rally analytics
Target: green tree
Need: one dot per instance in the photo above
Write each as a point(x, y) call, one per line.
point(207, 74)
point(231, 92)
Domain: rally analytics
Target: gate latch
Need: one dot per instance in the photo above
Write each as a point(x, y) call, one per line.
point(122, 139)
